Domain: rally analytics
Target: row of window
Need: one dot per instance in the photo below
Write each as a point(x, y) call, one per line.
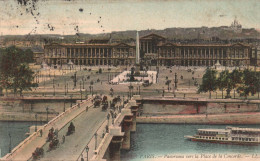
point(213, 138)
point(244, 139)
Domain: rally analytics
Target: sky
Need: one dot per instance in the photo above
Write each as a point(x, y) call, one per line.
point(70, 17)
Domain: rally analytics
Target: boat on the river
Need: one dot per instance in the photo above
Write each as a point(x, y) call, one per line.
point(230, 135)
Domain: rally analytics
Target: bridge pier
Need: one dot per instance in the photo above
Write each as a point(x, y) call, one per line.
point(134, 110)
point(114, 148)
point(126, 127)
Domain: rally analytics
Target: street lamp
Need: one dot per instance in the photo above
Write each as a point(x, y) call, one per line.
point(47, 110)
point(36, 122)
point(80, 92)
point(108, 116)
point(54, 90)
point(70, 100)
point(64, 105)
point(10, 142)
point(95, 140)
point(87, 149)
point(163, 92)
point(65, 90)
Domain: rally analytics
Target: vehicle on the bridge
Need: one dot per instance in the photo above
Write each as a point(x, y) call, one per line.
point(54, 143)
point(230, 135)
point(146, 83)
point(39, 152)
point(105, 106)
point(97, 103)
point(116, 99)
point(50, 135)
point(111, 93)
point(104, 100)
point(71, 129)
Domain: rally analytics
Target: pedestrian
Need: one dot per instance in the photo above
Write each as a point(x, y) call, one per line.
point(63, 139)
point(56, 132)
point(87, 109)
point(41, 132)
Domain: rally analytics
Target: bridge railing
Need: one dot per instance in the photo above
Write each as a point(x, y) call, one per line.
point(108, 137)
point(35, 134)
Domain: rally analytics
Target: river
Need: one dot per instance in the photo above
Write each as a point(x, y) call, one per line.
point(17, 132)
point(151, 140)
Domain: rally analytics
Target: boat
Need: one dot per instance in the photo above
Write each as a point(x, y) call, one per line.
point(230, 135)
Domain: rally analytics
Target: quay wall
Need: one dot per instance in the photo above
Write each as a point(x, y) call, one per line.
point(228, 118)
point(176, 106)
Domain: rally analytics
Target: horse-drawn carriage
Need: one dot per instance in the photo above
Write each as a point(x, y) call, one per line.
point(71, 129)
point(50, 135)
point(116, 99)
point(104, 107)
point(54, 143)
point(97, 101)
point(104, 103)
point(39, 152)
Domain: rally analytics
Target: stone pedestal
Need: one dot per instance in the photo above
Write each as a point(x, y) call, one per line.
point(137, 70)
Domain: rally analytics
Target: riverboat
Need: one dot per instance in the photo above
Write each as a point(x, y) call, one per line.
point(230, 135)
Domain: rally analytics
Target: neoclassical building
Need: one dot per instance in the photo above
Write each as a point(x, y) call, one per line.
point(154, 49)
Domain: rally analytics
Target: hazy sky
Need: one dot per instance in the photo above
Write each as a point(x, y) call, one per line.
point(72, 16)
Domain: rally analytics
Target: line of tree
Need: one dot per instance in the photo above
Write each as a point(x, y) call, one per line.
point(15, 73)
point(244, 82)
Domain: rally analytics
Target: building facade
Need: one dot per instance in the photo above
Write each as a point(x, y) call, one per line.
point(154, 50)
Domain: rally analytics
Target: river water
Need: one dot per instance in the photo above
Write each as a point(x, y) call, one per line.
point(17, 132)
point(155, 140)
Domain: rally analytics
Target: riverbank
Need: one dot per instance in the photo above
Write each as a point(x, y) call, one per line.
point(225, 118)
point(23, 117)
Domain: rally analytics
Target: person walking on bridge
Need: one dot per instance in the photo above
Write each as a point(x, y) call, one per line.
point(63, 139)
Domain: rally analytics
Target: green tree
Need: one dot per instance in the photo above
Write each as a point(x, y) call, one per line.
point(168, 82)
point(209, 81)
point(14, 71)
point(223, 81)
point(250, 83)
point(236, 79)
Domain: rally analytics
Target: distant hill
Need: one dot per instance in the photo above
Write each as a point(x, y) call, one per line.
point(204, 33)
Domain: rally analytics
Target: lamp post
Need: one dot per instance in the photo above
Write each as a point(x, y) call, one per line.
point(87, 149)
point(10, 142)
point(47, 110)
point(64, 105)
point(65, 90)
point(83, 82)
point(36, 122)
point(95, 140)
point(163, 92)
point(108, 116)
point(54, 90)
point(70, 100)
point(175, 80)
point(80, 91)
point(80, 95)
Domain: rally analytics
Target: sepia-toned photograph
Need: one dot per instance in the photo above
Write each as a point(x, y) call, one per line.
point(129, 80)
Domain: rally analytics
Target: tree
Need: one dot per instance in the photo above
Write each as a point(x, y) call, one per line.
point(236, 79)
point(14, 71)
point(168, 82)
point(209, 81)
point(24, 78)
point(250, 83)
point(223, 81)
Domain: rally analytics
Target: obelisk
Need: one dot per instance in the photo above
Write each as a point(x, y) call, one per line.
point(137, 56)
point(137, 61)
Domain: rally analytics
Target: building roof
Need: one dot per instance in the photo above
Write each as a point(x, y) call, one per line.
point(214, 130)
point(99, 41)
point(152, 36)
